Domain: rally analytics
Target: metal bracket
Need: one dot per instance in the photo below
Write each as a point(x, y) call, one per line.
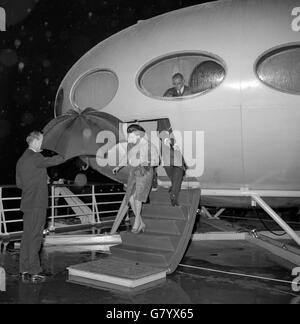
point(206, 213)
point(276, 218)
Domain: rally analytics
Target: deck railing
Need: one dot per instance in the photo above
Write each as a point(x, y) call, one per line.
point(66, 208)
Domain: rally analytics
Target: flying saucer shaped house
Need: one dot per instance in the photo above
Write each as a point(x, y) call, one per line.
point(241, 60)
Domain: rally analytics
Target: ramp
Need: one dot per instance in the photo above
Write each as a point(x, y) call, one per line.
point(160, 248)
point(168, 231)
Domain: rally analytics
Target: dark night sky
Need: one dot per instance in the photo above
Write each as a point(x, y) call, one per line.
point(44, 38)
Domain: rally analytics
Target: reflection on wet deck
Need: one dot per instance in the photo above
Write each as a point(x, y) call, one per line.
point(209, 281)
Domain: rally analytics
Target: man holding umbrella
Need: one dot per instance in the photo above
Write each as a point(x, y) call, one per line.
point(31, 177)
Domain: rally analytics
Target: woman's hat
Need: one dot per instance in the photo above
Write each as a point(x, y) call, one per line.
point(135, 128)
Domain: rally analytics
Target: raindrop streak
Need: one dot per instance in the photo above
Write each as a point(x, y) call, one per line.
point(21, 67)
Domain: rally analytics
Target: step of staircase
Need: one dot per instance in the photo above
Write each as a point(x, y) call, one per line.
point(158, 211)
point(153, 257)
point(117, 274)
point(163, 226)
point(148, 240)
point(162, 197)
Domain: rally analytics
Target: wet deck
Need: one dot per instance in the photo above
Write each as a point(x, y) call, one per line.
point(208, 275)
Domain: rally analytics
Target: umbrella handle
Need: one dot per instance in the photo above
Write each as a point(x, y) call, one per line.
point(87, 164)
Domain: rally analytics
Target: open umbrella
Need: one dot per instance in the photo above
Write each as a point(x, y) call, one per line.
point(75, 134)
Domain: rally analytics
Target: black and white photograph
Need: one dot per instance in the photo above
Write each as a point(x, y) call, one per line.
point(150, 155)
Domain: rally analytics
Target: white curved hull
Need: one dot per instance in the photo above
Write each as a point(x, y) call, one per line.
point(251, 131)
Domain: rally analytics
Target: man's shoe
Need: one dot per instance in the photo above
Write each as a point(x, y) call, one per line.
point(174, 201)
point(25, 276)
point(38, 278)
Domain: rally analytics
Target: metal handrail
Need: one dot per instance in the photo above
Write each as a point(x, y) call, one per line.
point(94, 205)
point(88, 195)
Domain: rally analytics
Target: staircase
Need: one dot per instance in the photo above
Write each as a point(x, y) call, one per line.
point(168, 231)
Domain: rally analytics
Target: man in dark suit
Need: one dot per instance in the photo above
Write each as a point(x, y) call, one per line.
point(179, 89)
point(172, 159)
point(174, 166)
point(31, 177)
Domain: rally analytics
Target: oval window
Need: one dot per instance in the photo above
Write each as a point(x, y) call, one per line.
point(181, 75)
point(95, 90)
point(280, 69)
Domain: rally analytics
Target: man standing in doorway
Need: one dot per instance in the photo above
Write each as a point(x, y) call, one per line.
point(172, 159)
point(31, 177)
point(174, 166)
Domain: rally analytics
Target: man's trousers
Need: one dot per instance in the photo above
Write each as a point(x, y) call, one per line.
point(176, 175)
point(34, 223)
